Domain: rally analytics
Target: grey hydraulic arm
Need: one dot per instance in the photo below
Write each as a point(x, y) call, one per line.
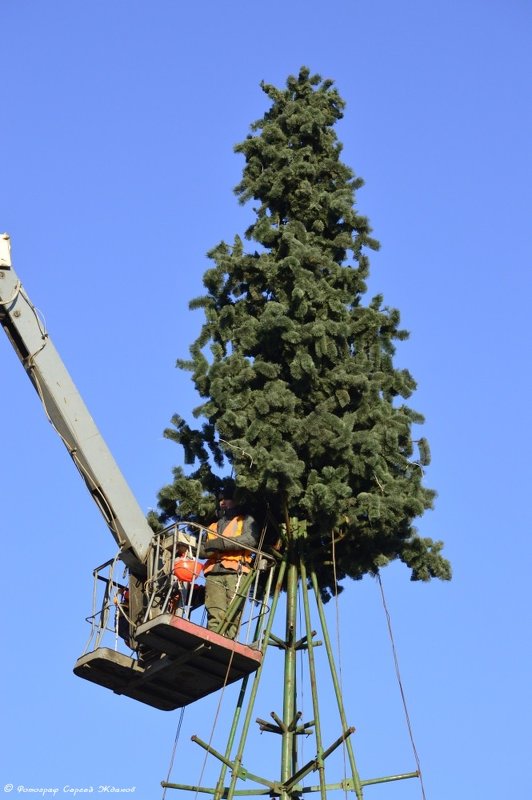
point(69, 416)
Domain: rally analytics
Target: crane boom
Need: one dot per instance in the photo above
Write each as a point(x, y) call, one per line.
point(173, 661)
point(70, 417)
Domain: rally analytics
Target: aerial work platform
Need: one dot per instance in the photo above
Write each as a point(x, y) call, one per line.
point(192, 663)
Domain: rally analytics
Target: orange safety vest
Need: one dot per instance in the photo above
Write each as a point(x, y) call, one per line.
point(235, 561)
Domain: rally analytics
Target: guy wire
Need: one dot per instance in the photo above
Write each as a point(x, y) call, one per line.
point(398, 674)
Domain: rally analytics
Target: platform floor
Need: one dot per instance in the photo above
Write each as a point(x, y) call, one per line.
point(193, 662)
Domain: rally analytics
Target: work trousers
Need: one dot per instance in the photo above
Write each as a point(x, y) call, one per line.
point(220, 590)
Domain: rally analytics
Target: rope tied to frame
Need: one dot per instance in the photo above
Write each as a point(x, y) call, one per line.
point(400, 682)
point(172, 757)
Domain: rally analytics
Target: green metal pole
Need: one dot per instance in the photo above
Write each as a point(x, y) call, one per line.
point(254, 689)
point(332, 666)
point(288, 765)
point(313, 682)
point(232, 733)
point(288, 749)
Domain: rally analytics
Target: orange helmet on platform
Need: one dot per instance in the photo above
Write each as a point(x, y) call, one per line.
point(186, 569)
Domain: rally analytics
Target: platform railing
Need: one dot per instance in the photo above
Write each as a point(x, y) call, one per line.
point(174, 585)
point(108, 595)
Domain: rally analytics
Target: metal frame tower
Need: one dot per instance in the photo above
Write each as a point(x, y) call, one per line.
point(303, 601)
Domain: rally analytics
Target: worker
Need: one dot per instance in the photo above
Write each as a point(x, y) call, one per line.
point(227, 563)
point(122, 611)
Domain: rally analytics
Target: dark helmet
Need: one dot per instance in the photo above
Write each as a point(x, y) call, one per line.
point(227, 490)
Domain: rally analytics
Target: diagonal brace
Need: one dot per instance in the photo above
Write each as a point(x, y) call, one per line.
point(315, 762)
point(241, 773)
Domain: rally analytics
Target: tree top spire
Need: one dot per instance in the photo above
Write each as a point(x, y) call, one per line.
point(294, 366)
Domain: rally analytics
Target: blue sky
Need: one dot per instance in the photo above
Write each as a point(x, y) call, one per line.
point(118, 125)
